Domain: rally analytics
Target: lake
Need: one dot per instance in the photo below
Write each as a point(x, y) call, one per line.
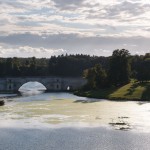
point(65, 121)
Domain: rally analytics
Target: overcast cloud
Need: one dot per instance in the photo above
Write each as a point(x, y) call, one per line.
point(52, 27)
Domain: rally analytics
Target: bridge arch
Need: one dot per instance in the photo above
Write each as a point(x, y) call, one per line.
point(14, 84)
point(34, 85)
point(32, 88)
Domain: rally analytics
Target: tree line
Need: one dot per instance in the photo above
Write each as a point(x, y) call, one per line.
point(63, 65)
point(100, 72)
point(122, 67)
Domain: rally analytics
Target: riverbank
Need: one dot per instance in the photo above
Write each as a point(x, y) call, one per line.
point(131, 91)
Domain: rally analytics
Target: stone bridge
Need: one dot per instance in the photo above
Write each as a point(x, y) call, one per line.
point(12, 84)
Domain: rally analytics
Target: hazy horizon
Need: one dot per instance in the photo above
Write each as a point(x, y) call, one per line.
point(46, 57)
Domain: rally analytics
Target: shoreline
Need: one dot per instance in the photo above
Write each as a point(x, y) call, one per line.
point(133, 91)
point(83, 94)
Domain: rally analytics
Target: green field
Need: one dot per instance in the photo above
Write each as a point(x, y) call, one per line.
point(131, 91)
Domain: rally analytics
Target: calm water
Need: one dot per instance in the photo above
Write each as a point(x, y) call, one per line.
point(65, 121)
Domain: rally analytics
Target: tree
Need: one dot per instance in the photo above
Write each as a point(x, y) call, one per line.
point(89, 74)
point(96, 76)
point(120, 70)
point(33, 66)
point(9, 67)
point(15, 66)
point(100, 77)
point(143, 71)
point(2, 67)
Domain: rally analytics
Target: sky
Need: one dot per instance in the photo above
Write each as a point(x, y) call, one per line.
point(43, 28)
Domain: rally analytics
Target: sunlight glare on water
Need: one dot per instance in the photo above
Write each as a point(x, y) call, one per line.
point(64, 110)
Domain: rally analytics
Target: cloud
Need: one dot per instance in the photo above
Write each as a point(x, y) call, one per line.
point(79, 26)
point(73, 16)
point(27, 51)
point(68, 4)
point(74, 43)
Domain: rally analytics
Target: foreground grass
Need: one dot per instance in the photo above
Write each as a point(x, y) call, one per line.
point(131, 91)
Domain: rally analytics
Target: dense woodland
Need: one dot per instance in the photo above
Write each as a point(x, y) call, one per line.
point(64, 65)
point(100, 72)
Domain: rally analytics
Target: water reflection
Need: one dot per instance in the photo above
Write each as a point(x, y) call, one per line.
point(32, 88)
point(31, 92)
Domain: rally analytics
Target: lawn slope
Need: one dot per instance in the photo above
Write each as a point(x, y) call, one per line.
point(131, 91)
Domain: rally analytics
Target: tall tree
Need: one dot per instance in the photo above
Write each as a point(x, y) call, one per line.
point(9, 67)
point(89, 74)
point(120, 70)
point(100, 76)
point(143, 71)
point(15, 66)
point(2, 68)
point(33, 66)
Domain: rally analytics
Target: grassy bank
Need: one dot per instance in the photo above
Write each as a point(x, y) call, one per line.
point(131, 91)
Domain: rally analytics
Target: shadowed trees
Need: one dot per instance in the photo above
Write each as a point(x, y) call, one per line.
point(143, 71)
point(96, 76)
point(101, 72)
point(63, 65)
point(118, 73)
point(15, 66)
point(73, 65)
point(120, 70)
